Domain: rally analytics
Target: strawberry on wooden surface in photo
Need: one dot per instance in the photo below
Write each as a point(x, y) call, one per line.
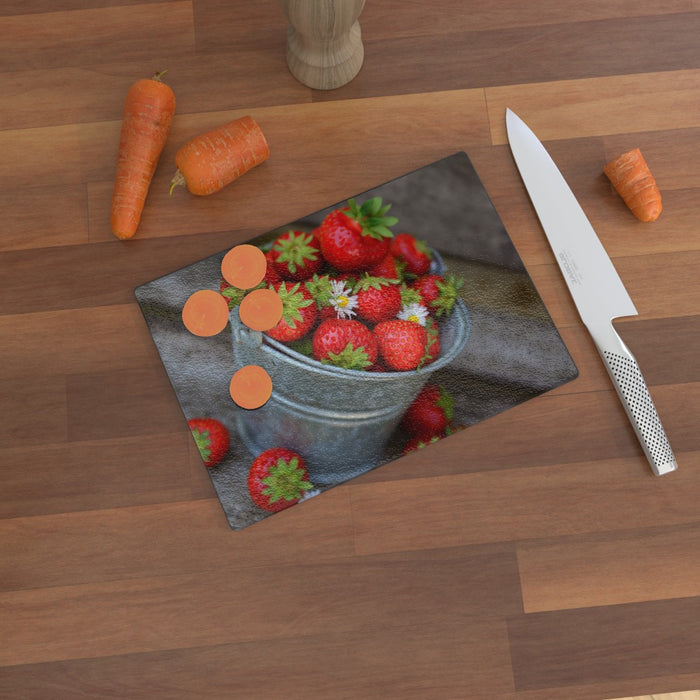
point(431, 412)
point(212, 439)
point(277, 479)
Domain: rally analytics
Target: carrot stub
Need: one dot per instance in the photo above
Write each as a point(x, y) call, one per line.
point(148, 112)
point(633, 181)
point(250, 387)
point(261, 309)
point(210, 161)
point(244, 266)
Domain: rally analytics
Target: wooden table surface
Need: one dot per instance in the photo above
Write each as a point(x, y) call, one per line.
point(530, 556)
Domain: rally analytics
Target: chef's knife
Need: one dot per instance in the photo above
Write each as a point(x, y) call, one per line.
point(594, 284)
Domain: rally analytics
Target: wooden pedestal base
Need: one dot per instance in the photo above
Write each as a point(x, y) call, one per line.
point(324, 41)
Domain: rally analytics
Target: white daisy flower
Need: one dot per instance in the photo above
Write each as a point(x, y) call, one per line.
point(342, 299)
point(414, 312)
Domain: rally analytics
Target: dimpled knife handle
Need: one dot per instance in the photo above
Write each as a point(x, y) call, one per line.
point(630, 385)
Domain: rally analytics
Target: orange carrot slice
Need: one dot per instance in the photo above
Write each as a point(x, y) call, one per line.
point(244, 266)
point(210, 161)
point(250, 387)
point(205, 313)
point(261, 309)
point(633, 181)
point(148, 112)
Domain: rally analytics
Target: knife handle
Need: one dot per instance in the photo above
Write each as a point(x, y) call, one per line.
point(632, 389)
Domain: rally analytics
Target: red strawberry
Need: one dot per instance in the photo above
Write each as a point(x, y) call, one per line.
point(298, 312)
point(438, 293)
point(402, 344)
point(277, 479)
point(346, 235)
point(430, 413)
point(296, 255)
point(378, 299)
point(211, 437)
point(388, 267)
point(415, 254)
point(271, 275)
point(418, 442)
point(345, 343)
point(376, 249)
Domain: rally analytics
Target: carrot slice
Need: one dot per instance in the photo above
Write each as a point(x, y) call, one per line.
point(250, 387)
point(205, 313)
point(148, 112)
point(210, 161)
point(244, 266)
point(633, 181)
point(261, 309)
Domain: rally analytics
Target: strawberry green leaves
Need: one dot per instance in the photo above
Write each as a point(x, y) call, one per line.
point(371, 216)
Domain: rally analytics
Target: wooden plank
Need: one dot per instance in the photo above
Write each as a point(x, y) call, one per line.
point(123, 403)
point(28, 226)
point(224, 606)
point(612, 689)
point(201, 82)
point(379, 21)
point(516, 504)
point(601, 644)
point(618, 104)
point(99, 274)
point(77, 37)
point(603, 569)
point(23, 7)
point(466, 58)
point(40, 404)
point(221, 26)
point(119, 340)
point(62, 477)
point(107, 544)
point(400, 659)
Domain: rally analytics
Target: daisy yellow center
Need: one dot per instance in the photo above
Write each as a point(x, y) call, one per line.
point(343, 301)
point(414, 318)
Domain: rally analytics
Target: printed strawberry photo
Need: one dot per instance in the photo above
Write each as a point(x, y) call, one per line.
point(404, 314)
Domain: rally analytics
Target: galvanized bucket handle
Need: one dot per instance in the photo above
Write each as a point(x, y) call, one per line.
point(242, 334)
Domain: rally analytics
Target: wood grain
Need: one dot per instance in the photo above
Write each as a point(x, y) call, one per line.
point(531, 556)
point(613, 642)
point(654, 564)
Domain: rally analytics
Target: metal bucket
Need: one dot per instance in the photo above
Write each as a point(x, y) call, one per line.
point(339, 420)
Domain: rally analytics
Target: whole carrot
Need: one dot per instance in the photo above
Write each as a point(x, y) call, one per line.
point(633, 181)
point(210, 161)
point(148, 112)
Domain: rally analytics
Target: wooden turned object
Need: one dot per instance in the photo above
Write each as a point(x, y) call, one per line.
point(324, 42)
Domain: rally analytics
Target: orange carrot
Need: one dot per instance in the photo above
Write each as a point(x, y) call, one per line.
point(148, 111)
point(631, 177)
point(210, 161)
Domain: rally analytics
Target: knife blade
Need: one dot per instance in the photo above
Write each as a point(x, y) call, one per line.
point(593, 282)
